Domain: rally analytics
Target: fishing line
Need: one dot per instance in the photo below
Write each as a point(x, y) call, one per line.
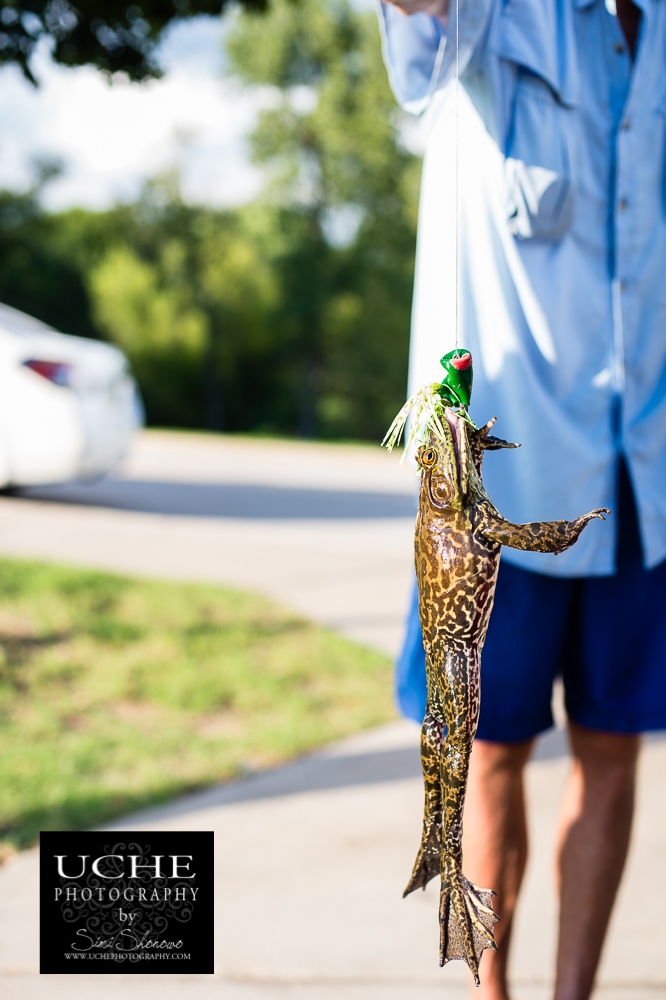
point(457, 160)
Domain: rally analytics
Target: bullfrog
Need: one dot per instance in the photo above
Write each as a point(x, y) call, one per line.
point(458, 540)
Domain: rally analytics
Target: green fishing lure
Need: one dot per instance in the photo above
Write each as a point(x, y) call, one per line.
point(425, 409)
point(456, 386)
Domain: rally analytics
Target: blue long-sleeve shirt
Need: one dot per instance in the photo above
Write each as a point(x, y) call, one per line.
point(561, 270)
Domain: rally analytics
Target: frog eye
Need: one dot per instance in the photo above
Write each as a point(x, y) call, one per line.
point(429, 457)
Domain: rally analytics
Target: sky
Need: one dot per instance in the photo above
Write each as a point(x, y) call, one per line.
point(111, 138)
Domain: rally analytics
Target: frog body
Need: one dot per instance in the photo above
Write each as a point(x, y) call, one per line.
point(458, 540)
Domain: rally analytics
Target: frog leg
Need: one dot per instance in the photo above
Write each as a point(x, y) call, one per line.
point(466, 918)
point(427, 863)
point(482, 440)
point(537, 536)
point(487, 441)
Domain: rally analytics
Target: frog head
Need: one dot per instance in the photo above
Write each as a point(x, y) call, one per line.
point(447, 470)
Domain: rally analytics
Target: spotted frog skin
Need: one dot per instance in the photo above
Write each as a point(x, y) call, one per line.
point(459, 536)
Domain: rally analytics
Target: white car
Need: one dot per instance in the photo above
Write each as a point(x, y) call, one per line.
point(68, 406)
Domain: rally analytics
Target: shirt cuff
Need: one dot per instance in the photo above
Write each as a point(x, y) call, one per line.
point(413, 50)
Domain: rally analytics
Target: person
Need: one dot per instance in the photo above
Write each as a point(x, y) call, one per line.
point(541, 248)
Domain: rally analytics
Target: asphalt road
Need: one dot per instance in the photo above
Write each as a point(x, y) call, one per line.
point(326, 529)
point(227, 500)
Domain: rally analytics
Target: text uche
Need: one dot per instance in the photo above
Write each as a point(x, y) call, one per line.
point(179, 866)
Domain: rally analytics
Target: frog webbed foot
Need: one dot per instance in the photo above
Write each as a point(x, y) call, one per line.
point(598, 514)
point(428, 861)
point(466, 922)
point(572, 530)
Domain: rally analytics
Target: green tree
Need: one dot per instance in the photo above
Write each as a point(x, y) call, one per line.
point(334, 161)
point(189, 295)
point(35, 275)
point(237, 286)
point(148, 310)
point(288, 315)
point(113, 35)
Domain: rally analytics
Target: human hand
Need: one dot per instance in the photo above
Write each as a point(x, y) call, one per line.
point(436, 8)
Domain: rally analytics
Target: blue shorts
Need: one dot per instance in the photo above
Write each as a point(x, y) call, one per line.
point(605, 636)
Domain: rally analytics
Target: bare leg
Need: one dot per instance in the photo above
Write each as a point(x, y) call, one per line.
point(495, 844)
point(595, 825)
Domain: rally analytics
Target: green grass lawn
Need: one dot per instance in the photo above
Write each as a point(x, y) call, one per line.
point(116, 693)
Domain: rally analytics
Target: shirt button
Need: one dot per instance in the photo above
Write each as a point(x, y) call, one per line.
point(619, 48)
point(623, 203)
point(625, 125)
point(623, 286)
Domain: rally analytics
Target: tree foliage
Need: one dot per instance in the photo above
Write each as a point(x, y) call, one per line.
point(334, 162)
point(288, 315)
point(114, 35)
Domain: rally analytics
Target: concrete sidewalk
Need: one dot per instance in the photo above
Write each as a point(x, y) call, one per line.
point(310, 864)
point(311, 859)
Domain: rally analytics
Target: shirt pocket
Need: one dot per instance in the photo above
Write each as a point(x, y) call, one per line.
point(538, 165)
point(535, 37)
